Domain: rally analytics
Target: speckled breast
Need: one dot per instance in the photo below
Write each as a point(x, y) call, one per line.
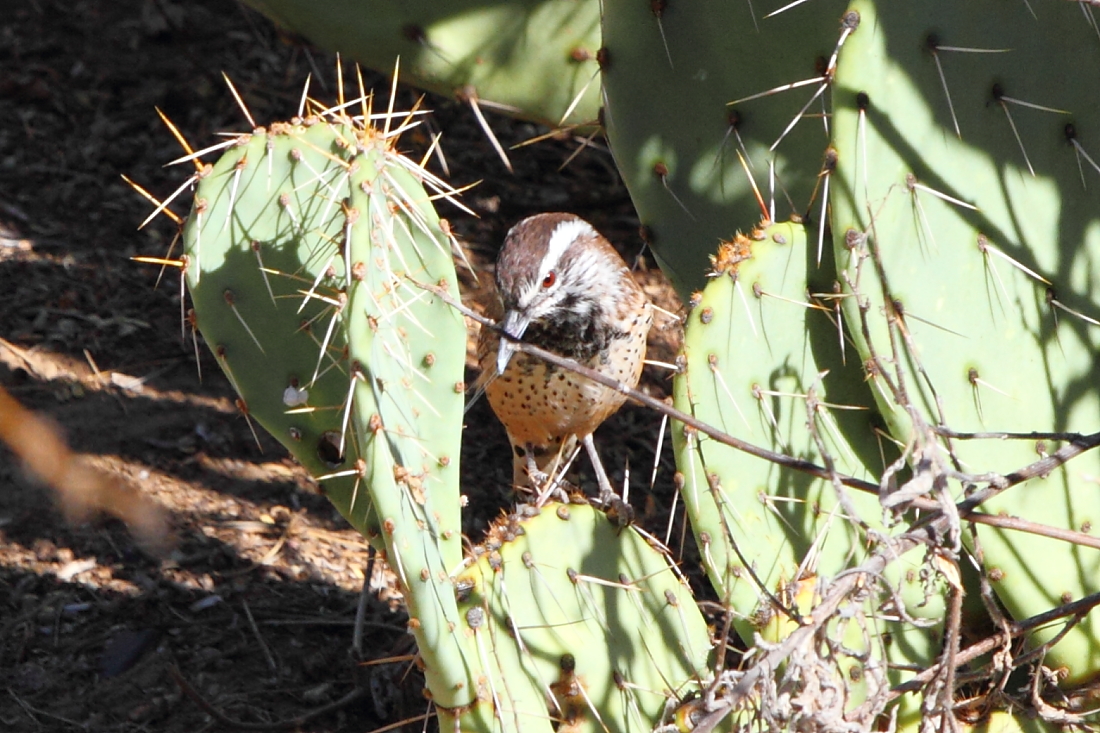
point(542, 404)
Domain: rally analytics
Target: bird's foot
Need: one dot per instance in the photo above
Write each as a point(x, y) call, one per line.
point(618, 511)
point(606, 492)
point(547, 487)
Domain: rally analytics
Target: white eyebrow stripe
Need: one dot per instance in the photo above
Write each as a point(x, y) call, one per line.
point(564, 234)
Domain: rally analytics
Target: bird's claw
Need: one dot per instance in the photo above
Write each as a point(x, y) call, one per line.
point(618, 511)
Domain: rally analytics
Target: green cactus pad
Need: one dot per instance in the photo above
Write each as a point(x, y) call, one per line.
point(761, 341)
point(956, 184)
point(962, 148)
point(673, 74)
point(306, 248)
point(535, 59)
point(262, 233)
point(406, 353)
point(589, 627)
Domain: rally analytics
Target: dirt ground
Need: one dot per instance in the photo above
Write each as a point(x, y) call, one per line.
point(250, 612)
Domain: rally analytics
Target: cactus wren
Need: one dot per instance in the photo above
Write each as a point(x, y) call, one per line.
point(562, 287)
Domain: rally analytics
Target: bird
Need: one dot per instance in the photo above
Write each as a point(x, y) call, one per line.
point(562, 287)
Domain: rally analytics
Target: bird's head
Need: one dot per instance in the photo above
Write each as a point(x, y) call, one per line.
point(554, 269)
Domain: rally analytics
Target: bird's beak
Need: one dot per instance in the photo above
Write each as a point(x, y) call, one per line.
point(513, 324)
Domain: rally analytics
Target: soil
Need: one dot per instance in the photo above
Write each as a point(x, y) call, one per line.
point(244, 611)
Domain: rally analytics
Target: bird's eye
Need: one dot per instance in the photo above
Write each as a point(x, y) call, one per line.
point(550, 279)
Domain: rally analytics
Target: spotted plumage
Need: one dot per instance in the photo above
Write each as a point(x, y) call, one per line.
point(564, 288)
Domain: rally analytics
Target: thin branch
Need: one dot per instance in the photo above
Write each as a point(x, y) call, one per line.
point(1015, 629)
point(846, 584)
point(551, 358)
point(966, 509)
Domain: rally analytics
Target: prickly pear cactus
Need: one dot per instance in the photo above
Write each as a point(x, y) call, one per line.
point(764, 359)
point(585, 622)
point(966, 222)
point(267, 279)
point(306, 248)
point(944, 156)
point(320, 275)
point(686, 89)
point(534, 59)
